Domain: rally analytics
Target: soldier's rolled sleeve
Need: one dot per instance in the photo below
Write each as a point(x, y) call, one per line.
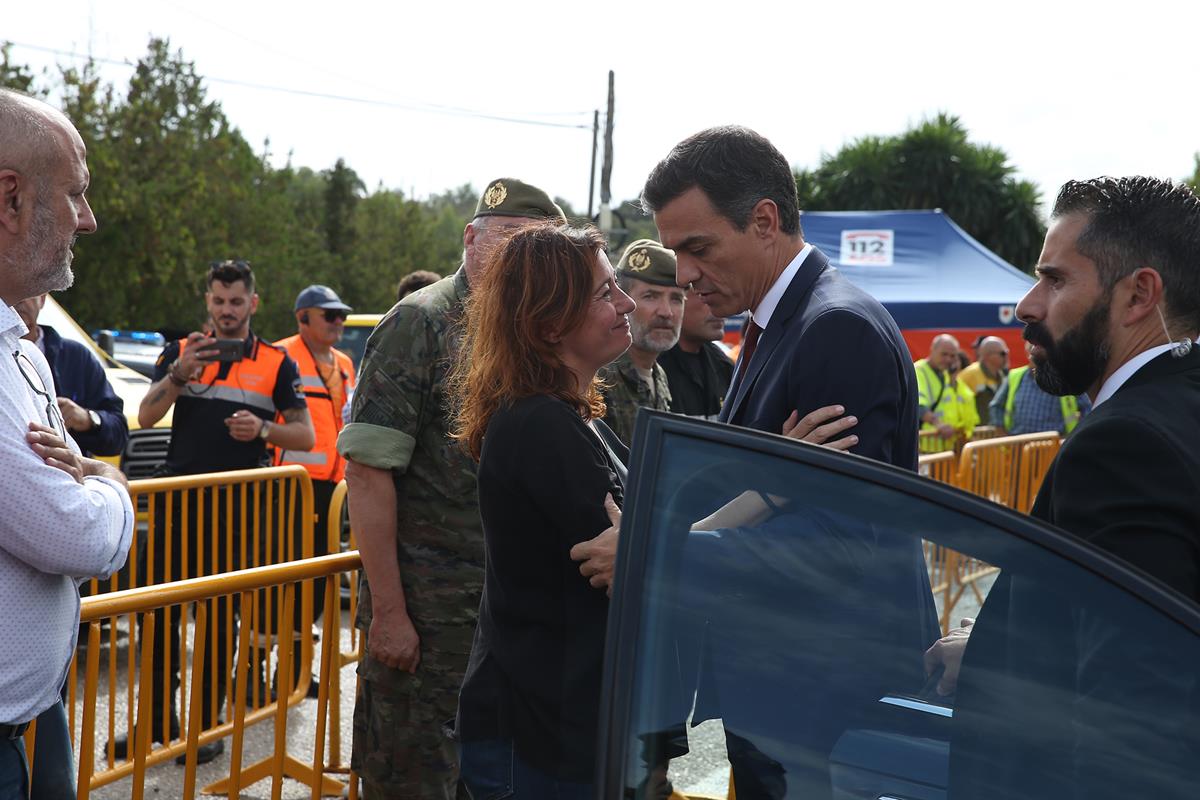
point(393, 392)
point(376, 446)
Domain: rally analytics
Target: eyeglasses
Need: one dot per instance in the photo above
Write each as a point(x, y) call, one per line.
point(334, 314)
point(34, 379)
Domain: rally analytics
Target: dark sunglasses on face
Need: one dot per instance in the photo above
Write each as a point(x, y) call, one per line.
point(334, 314)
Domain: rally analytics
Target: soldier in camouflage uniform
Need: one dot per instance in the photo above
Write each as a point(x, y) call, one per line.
point(415, 516)
point(646, 272)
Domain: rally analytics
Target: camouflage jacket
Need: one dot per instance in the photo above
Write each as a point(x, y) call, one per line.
point(400, 422)
point(625, 392)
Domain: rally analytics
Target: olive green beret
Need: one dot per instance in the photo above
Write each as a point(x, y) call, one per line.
point(509, 197)
point(648, 261)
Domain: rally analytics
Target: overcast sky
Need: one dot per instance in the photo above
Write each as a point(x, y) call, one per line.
point(1067, 89)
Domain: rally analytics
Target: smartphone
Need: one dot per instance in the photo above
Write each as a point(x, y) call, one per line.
point(226, 350)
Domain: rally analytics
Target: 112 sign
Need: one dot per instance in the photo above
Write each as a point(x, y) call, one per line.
point(876, 247)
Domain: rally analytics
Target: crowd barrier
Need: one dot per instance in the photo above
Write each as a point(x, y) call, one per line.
point(992, 468)
point(1004, 469)
point(97, 765)
point(929, 443)
point(941, 467)
point(345, 589)
point(191, 527)
point(1033, 462)
point(246, 518)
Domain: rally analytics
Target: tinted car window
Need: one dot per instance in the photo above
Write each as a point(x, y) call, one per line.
point(789, 647)
point(354, 342)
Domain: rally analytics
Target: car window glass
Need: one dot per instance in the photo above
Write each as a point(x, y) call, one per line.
point(789, 649)
point(354, 342)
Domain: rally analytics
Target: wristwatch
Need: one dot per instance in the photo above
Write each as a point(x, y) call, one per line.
point(94, 417)
point(264, 431)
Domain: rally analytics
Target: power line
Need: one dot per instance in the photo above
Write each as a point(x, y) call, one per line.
point(306, 62)
point(405, 106)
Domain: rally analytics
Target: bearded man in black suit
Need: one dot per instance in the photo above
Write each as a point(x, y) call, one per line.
point(1115, 313)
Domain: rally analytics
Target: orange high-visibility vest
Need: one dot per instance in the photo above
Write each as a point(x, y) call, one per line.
point(322, 462)
point(250, 381)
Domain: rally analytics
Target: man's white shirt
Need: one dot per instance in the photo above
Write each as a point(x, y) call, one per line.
point(766, 307)
point(54, 532)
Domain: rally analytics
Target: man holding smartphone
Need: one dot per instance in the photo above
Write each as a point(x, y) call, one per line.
point(227, 386)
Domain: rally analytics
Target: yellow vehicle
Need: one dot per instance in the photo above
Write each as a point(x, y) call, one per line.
point(354, 335)
point(147, 448)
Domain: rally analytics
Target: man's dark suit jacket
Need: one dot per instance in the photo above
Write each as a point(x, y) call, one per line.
point(828, 342)
point(80, 377)
point(1039, 665)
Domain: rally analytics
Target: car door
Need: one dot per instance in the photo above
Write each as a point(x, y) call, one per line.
point(771, 613)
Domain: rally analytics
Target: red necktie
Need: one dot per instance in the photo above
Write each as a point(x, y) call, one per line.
point(749, 342)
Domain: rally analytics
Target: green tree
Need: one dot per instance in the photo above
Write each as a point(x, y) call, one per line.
point(933, 165)
point(343, 190)
point(174, 186)
point(1194, 181)
point(17, 76)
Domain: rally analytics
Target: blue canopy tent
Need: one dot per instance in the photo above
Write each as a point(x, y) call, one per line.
point(928, 272)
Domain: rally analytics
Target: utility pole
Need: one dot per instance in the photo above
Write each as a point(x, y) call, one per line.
point(592, 174)
point(606, 169)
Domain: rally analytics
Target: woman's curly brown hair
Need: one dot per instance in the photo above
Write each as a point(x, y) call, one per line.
point(537, 281)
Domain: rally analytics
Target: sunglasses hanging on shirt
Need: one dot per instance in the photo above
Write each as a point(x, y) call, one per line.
point(38, 387)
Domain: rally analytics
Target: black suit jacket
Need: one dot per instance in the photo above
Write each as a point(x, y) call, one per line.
point(1054, 695)
point(829, 342)
point(1128, 478)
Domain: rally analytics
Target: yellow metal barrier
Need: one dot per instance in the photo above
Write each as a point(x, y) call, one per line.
point(988, 468)
point(929, 442)
point(246, 518)
point(1006, 470)
point(340, 535)
point(195, 526)
point(941, 467)
point(205, 594)
point(1033, 463)
point(982, 432)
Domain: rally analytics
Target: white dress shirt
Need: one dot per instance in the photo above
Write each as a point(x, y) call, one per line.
point(766, 307)
point(53, 532)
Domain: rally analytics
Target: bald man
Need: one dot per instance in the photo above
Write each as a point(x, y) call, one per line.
point(66, 517)
point(934, 395)
point(985, 375)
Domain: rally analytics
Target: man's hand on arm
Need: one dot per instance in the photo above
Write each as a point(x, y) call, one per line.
point(822, 426)
point(599, 554)
point(392, 639)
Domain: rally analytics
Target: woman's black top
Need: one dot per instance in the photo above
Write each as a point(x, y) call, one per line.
point(534, 672)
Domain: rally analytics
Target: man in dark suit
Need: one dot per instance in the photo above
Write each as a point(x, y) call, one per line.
point(725, 201)
point(1114, 313)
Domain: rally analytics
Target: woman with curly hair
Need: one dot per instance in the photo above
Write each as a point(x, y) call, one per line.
point(546, 316)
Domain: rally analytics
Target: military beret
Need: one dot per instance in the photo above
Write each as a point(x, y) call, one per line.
point(648, 261)
point(509, 197)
